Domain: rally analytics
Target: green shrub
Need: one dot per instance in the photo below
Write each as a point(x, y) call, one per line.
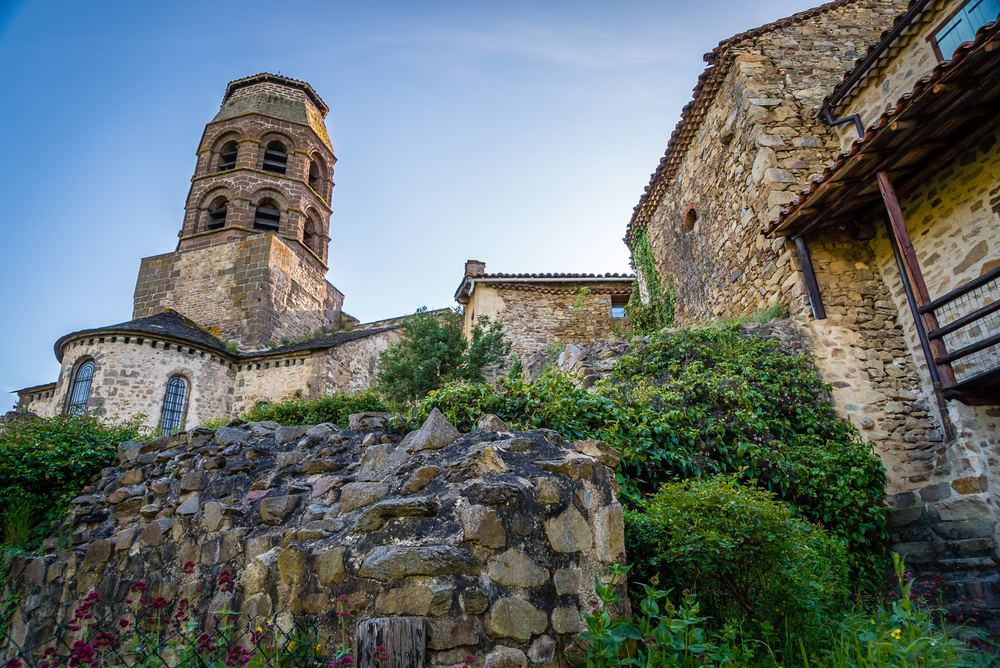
point(334, 409)
point(45, 462)
point(703, 401)
point(658, 311)
point(751, 562)
point(433, 352)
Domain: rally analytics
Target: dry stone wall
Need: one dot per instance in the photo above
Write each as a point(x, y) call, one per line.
point(493, 537)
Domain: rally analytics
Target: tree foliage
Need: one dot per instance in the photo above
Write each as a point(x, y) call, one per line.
point(703, 401)
point(433, 352)
point(334, 409)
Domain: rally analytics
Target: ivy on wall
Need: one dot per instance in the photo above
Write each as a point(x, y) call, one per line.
point(658, 312)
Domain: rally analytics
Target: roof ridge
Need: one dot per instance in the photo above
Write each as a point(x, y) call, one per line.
point(704, 95)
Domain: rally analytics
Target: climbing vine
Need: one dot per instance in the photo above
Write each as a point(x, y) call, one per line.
point(658, 312)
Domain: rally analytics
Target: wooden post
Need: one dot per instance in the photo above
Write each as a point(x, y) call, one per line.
point(897, 228)
point(815, 299)
point(404, 640)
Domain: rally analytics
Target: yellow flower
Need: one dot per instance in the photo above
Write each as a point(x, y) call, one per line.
point(896, 634)
point(260, 630)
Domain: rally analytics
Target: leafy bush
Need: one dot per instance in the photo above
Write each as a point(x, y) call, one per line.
point(658, 311)
point(749, 559)
point(704, 401)
point(434, 351)
point(334, 409)
point(45, 462)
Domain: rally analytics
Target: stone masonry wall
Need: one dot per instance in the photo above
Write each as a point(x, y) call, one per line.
point(494, 537)
point(131, 377)
point(760, 143)
point(537, 316)
point(254, 290)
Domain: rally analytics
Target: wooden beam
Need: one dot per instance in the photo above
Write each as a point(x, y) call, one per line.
point(815, 299)
point(897, 227)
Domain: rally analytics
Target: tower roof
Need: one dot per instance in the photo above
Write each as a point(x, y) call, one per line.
point(265, 77)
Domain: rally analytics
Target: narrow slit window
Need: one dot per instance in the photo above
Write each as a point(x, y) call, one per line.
point(275, 158)
point(173, 405)
point(217, 214)
point(314, 176)
point(267, 216)
point(81, 388)
point(227, 156)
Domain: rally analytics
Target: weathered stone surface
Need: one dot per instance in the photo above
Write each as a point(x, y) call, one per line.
point(515, 618)
point(156, 533)
point(475, 602)
point(482, 524)
point(98, 552)
point(600, 451)
point(567, 620)
point(319, 529)
point(288, 434)
point(194, 481)
point(392, 562)
point(368, 421)
point(128, 450)
point(325, 465)
point(447, 633)
point(419, 479)
point(609, 532)
point(549, 491)
point(417, 600)
point(505, 657)
point(293, 566)
point(286, 459)
point(375, 517)
point(229, 435)
point(435, 433)
point(567, 581)
point(360, 494)
point(212, 516)
point(190, 506)
point(543, 650)
point(569, 532)
point(490, 422)
point(373, 457)
point(325, 484)
point(276, 508)
point(514, 568)
point(574, 465)
point(330, 566)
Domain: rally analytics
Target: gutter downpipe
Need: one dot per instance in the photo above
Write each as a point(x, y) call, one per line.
point(869, 60)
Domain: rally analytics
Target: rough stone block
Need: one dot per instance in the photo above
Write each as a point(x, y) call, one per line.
point(482, 524)
point(515, 618)
point(569, 532)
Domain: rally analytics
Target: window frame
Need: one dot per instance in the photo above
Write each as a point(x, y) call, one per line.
point(618, 302)
point(75, 381)
point(933, 36)
point(177, 412)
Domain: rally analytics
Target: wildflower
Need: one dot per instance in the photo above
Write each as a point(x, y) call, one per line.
point(188, 567)
point(138, 586)
point(260, 630)
point(896, 634)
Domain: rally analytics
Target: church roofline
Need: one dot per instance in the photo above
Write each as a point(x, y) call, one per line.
point(265, 77)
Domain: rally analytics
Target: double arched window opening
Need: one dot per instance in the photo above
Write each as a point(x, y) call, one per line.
point(80, 391)
point(172, 415)
point(217, 213)
point(267, 216)
point(275, 158)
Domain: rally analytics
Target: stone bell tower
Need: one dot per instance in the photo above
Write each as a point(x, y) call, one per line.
point(252, 255)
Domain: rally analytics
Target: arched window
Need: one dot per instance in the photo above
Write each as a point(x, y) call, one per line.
point(315, 176)
point(275, 157)
point(172, 416)
point(227, 156)
point(81, 388)
point(217, 213)
point(267, 216)
point(310, 235)
point(690, 218)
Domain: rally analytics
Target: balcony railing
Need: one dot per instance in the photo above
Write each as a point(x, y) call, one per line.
point(969, 327)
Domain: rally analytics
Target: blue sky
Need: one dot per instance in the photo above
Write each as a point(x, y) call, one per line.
point(517, 133)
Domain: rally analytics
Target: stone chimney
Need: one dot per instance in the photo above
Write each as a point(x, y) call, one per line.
point(475, 268)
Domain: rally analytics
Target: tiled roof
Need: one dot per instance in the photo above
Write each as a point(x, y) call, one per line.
point(982, 55)
point(583, 278)
point(319, 344)
point(265, 77)
point(170, 323)
point(694, 112)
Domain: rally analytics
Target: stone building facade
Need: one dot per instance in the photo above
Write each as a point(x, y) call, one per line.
point(215, 322)
point(743, 213)
point(539, 311)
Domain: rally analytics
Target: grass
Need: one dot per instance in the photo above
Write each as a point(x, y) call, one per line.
point(773, 312)
point(17, 520)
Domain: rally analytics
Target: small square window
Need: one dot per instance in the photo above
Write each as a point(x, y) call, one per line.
point(617, 311)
